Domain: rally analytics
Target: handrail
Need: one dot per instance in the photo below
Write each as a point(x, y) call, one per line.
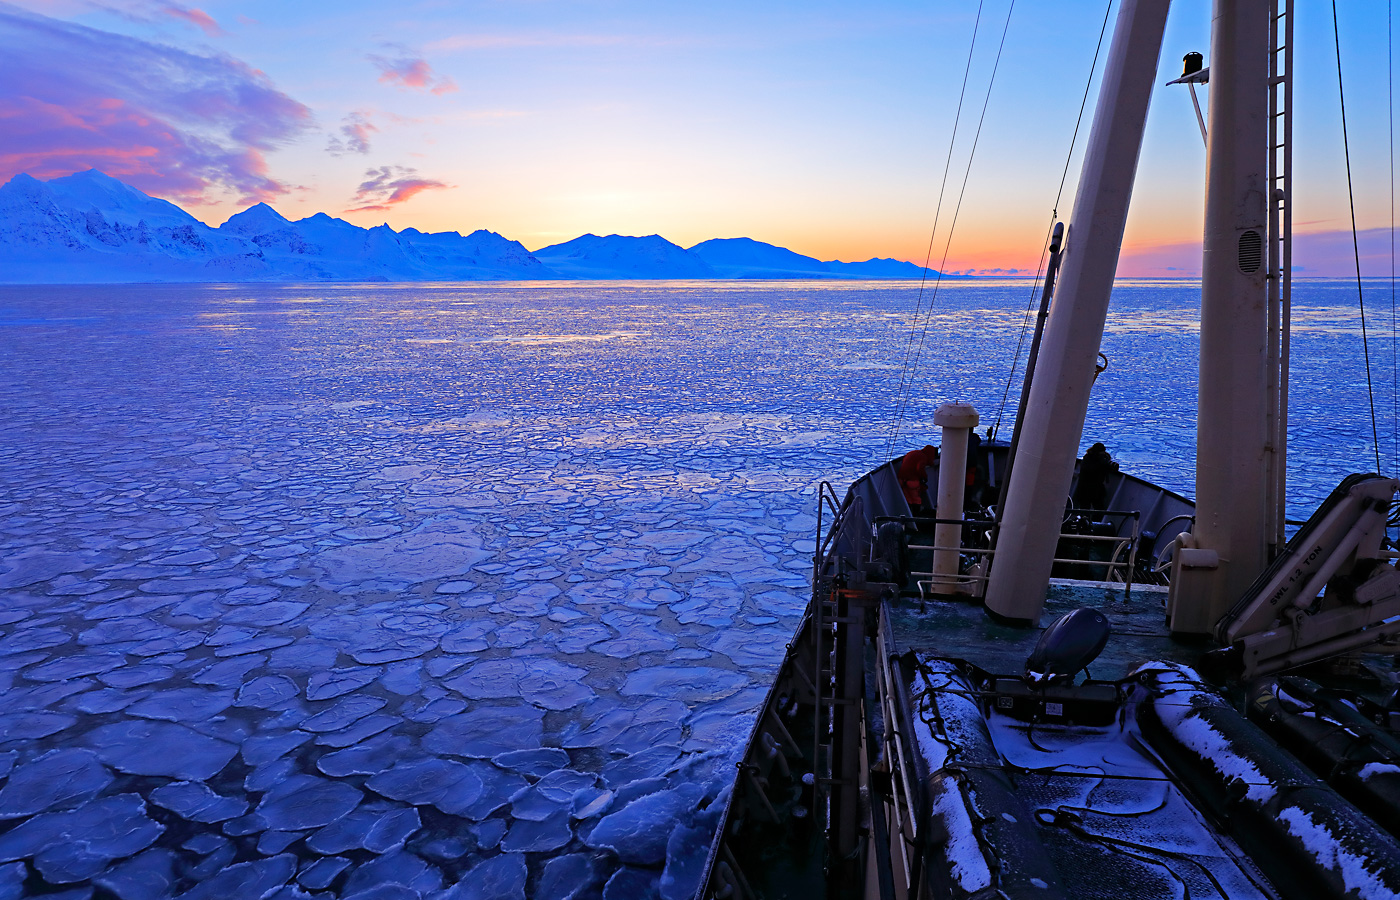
point(931, 520)
point(1117, 569)
point(1102, 513)
point(1112, 565)
point(825, 492)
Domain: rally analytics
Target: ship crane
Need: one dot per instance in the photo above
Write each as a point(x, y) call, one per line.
point(1281, 622)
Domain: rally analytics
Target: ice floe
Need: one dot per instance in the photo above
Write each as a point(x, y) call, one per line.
point(538, 836)
point(627, 883)
point(368, 757)
point(375, 827)
point(450, 786)
point(685, 683)
point(31, 726)
point(228, 673)
point(541, 681)
point(305, 801)
point(638, 832)
point(343, 713)
point(258, 878)
point(148, 876)
point(319, 874)
point(533, 762)
point(487, 731)
point(394, 868)
point(568, 877)
point(498, 878)
point(409, 558)
point(74, 846)
point(59, 779)
point(221, 601)
point(194, 801)
point(160, 748)
point(183, 705)
point(686, 850)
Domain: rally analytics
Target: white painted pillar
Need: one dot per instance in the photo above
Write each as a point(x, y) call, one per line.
point(957, 420)
point(1064, 375)
point(1232, 426)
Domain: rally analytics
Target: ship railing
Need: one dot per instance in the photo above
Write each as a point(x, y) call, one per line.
point(826, 537)
point(1117, 568)
point(928, 581)
point(1113, 563)
point(931, 581)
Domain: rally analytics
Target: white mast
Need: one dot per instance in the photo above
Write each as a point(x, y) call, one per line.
point(1233, 443)
point(1059, 397)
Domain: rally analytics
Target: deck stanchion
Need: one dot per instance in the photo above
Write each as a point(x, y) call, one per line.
point(957, 420)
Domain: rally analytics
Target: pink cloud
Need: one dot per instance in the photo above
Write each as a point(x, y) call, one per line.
point(173, 123)
point(196, 17)
point(389, 186)
point(412, 73)
point(354, 134)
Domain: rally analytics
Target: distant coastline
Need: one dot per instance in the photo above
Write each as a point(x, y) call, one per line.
point(90, 228)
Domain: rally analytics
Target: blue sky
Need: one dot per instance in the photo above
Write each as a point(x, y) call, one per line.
point(823, 127)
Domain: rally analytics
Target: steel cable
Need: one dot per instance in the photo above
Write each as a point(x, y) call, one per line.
point(1054, 216)
point(937, 212)
point(1355, 243)
point(952, 228)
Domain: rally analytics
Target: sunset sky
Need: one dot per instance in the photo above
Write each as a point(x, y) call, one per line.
point(822, 127)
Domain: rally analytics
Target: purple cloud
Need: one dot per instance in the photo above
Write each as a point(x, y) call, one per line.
point(412, 73)
point(354, 134)
point(388, 186)
point(172, 123)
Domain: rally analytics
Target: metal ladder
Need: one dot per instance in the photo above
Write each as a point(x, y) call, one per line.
point(1280, 291)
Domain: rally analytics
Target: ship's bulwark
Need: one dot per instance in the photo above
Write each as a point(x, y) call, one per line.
point(360, 586)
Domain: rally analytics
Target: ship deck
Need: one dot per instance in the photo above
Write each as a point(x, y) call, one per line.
point(958, 629)
point(961, 629)
point(1098, 796)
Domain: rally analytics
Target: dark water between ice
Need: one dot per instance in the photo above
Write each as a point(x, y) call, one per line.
point(463, 591)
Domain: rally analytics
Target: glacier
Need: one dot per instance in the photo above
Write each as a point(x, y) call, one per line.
point(90, 228)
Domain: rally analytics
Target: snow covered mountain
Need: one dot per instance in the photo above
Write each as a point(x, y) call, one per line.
point(620, 256)
point(877, 267)
point(91, 228)
point(747, 258)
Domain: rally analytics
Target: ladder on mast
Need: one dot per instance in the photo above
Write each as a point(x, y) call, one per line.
point(1280, 287)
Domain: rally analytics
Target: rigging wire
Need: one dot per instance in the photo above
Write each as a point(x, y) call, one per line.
point(937, 212)
point(952, 227)
point(1394, 365)
point(1355, 243)
point(1054, 216)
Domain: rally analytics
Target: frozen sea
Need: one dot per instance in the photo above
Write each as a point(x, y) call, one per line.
point(465, 591)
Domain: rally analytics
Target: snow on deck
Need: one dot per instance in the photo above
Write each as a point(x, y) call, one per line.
point(1103, 805)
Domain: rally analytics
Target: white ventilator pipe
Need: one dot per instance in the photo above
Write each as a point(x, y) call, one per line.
point(957, 421)
point(1064, 375)
point(1232, 440)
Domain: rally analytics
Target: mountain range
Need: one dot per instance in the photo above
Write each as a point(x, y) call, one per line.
point(92, 228)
